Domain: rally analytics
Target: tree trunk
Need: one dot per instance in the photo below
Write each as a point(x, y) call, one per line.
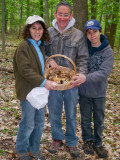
point(101, 14)
point(114, 23)
point(6, 17)
point(12, 17)
point(118, 46)
point(93, 9)
point(28, 8)
point(41, 8)
point(108, 17)
point(80, 10)
point(3, 25)
point(52, 14)
point(21, 3)
point(47, 12)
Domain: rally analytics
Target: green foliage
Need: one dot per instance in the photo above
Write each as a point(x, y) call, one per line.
point(14, 19)
point(4, 108)
point(2, 152)
point(108, 106)
point(5, 130)
point(12, 110)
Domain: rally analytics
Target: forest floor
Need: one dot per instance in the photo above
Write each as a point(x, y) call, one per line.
point(10, 116)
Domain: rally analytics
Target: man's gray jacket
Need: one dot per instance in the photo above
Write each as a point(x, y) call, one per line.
point(71, 43)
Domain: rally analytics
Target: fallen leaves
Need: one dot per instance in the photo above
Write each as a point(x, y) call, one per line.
point(10, 115)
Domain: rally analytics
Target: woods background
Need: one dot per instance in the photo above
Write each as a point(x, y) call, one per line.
point(12, 19)
point(107, 12)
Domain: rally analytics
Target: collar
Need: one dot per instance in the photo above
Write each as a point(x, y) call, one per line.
point(70, 24)
point(34, 42)
point(104, 43)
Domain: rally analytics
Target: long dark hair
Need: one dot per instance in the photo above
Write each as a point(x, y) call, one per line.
point(26, 32)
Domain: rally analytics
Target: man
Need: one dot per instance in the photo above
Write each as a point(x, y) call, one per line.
point(93, 91)
point(69, 41)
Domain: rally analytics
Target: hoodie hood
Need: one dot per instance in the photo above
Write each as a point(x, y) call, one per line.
point(70, 24)
point(104, 42)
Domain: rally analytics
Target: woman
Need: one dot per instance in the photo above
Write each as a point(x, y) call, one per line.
point(28, 64)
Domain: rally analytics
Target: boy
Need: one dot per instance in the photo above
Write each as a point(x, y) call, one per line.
point(93, 92)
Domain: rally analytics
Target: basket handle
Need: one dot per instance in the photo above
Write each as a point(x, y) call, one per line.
point(60, 55)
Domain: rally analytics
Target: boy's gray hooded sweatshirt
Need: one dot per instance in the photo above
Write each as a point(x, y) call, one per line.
point(99, 68)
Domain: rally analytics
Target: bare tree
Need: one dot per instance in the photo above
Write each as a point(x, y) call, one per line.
point(47, 12)
point(80, 10)
point(3, 25)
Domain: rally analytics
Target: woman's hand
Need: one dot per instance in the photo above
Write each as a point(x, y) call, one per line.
point(50, 85)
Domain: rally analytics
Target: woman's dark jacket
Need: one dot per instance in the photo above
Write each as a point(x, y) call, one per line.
point(27, 69)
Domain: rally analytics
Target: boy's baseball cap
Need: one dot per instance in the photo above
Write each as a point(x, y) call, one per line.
point(34, 18)
point(92, 24)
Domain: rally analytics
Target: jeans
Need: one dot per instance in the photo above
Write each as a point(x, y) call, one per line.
point(95, 107)
point(30, 128)
point(56, 100)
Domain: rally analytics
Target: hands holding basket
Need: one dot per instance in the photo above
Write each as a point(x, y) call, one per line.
point(52, 63)
point(50, 85)
point(76, 78)
point(79, 78)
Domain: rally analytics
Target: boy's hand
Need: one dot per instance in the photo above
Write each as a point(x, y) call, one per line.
point(78, 80)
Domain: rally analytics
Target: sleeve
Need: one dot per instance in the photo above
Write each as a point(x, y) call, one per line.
point(48, 50)
point(104, 70)
point(82, 56)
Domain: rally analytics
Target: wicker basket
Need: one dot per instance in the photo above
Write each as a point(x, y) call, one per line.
point(67, 70)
